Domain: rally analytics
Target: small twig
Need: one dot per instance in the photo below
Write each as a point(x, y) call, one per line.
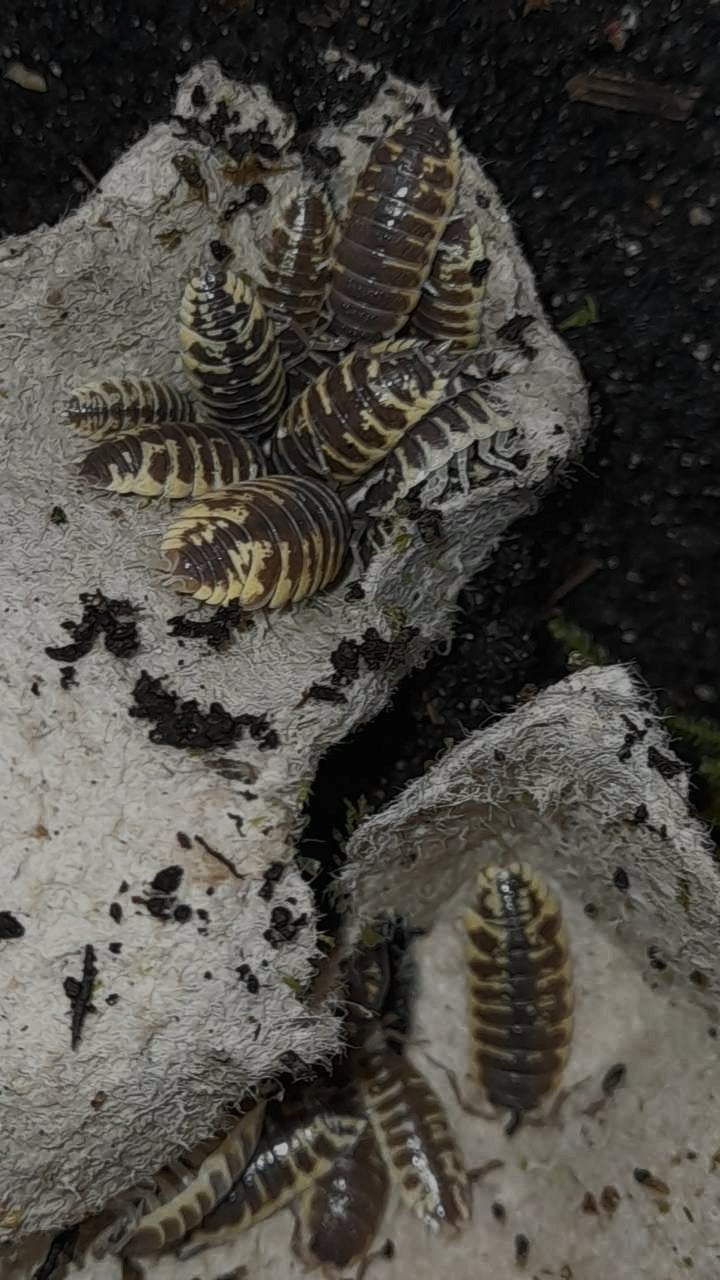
point(215, 853)
point(586, 569)
point(81, 1000)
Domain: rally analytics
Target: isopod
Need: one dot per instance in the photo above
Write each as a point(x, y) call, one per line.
point(340, 1215)
point(267, 543)
point(175, 460)
point(414, 1136)
point(112, 405)
point(296, 258)
point(451, 301)
point(353, 414)
point(396, 216)
point(295, 1149)
point(470, 424)
point(184, 1192)
point(520, 990)
point(230, 352)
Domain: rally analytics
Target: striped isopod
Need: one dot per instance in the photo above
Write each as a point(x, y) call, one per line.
point(295, 1149)
point(340, 1215)
point(175, 460)
point(351, 416)
point(112, 405)
point(230, 352)
point(183, 1192)
point(296, 258)
point(267, 543)
point(414, 1136)
point(520, 989)
point(452, 298)
point(469, 423)
point(395, 218)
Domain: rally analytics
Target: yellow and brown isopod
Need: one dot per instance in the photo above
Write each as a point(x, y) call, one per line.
point(267, 543)
point(452, 298)
point(520, 990)
point(414, 1136)
point(351, 416)
point(395, 218)
point(296, 258)
point(295, 1150)
point(340, 1215)
point(174, 460)
point(112, 405)
point(469, 423)
point(230, 352)
point(182, 1192)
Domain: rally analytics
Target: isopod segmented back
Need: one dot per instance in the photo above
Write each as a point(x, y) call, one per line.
point(519, 987)
point(296, 258)
point(164, 1207)
point(230, 352)
point(174, 460)
point(341, 1213)
point(293, 1152)
point(414, 1136)
point(470, 417)
point(112, 405)
point(267, 543)
point(452, 298)
point(170, 1222)
point(351, 416)
point(395, 218)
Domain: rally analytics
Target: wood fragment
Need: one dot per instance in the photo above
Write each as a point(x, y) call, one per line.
point(80, 1000)
point(624, 93)
point(215, 853)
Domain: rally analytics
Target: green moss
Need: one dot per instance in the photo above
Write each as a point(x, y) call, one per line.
point(580, 648)
point(585, 315)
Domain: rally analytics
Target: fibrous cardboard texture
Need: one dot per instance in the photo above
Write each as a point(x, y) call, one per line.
point(622, 1181)
point(90, 804)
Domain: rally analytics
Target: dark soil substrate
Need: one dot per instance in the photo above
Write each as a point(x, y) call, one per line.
point(616, 206)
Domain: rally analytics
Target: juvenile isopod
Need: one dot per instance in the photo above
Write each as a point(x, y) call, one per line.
point(415, 1138)
point(520, 992)
point(230, 352)
point(267, 543)
point(451, 301)
point(354, 413)
point(395, 218)
point(175, 460)
point(296, 258)
point(105, 408)
point(295, 1149)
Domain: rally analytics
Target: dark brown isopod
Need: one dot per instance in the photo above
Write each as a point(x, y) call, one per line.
point(296, 260)
point(230, 353)
point(395, 218)
point(452, 297)
point(106, 408)
point(340, 1215)
point(267, 543)
point(175, 460)
point(351, 416)
point(519, 987)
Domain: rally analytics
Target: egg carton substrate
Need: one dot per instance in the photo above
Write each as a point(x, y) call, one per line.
point(623, 1181)
point(90, 803)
